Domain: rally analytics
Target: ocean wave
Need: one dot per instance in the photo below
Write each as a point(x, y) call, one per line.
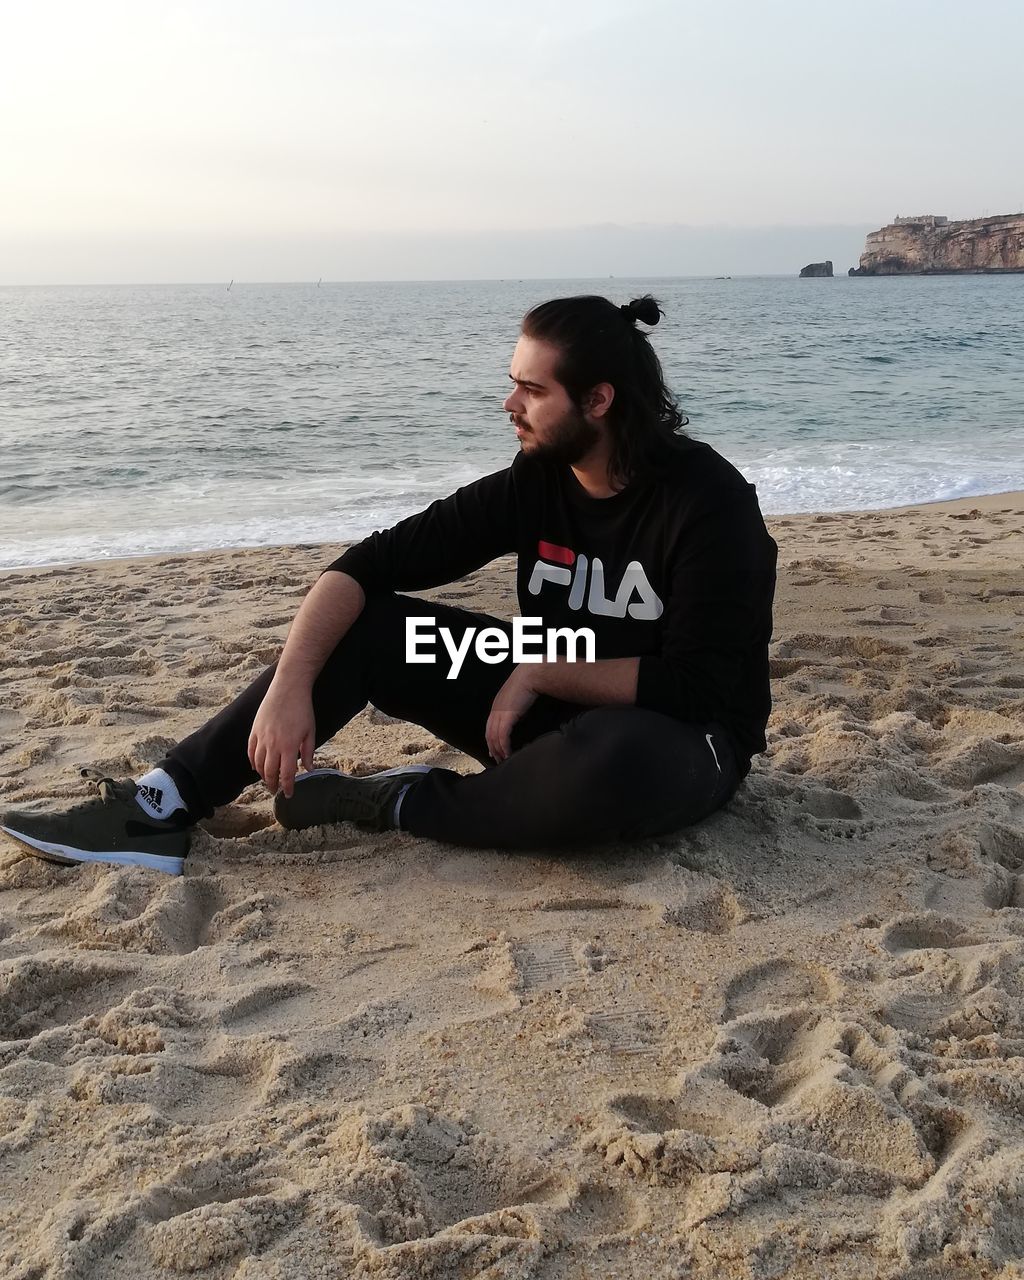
point(155, 420)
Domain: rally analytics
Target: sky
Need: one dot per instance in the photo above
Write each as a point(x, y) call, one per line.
point(263, 140)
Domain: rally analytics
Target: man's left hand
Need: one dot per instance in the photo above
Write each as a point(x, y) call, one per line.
point(515, 697)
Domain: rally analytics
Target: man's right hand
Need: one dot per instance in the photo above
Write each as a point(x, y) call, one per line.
point(284, 728)
point(282, 733)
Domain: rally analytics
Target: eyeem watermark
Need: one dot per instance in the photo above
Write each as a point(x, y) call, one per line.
point(530, 641)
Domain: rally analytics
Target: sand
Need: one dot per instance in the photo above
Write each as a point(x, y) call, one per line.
point(786, 1043)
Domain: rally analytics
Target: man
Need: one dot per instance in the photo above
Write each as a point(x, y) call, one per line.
point(621, 524)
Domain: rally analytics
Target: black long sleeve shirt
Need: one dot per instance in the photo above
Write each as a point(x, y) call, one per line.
point(677, 569)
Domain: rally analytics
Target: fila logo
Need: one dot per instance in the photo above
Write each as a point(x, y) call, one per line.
point(586, 583)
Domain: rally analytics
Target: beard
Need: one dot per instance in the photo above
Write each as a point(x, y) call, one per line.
point(569, 440)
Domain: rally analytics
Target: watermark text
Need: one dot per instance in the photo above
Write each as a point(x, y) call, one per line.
point(530, 641)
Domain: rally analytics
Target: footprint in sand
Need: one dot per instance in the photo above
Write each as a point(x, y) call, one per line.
point(826, 803)
point(707, 906)
point(125, 910)
point(976, 1205)
point(834, 1090)
point(777, 984)
point(104, 667)
point(546, 964)
point(628, 1031)
point(983, 760)
point(798, 1077)
point(984, 887)
point(243, 1075)
point(973, 996)
point(768, 1057)
point(895, 615)
point(38, 992)
point(256, 1001)
point(596, 1214)
point(1003, 890)
point(921, 1012)
point(212, 1210)
point(926, 932)
point(423, 1178)
point(646, 1113)
point(1003, 844)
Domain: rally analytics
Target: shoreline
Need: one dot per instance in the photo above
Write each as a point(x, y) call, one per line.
point(984, 503)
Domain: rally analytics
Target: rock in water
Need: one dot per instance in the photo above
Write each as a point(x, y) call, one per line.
point(817, 269)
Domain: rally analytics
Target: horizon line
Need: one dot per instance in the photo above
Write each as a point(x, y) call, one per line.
point(160, 284)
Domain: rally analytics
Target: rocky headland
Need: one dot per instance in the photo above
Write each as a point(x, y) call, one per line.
point(931, 245)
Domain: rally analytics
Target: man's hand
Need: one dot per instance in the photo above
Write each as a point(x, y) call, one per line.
point(608, 682)
point(285, 726)
point(515, 697)
point(283, 731)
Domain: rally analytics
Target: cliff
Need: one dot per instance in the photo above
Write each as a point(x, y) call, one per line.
point(930, 245)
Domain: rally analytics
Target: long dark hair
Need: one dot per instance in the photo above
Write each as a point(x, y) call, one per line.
point(600, 342)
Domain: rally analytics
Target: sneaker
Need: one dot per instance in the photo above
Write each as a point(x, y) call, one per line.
point(111, 828)
point(325, 796)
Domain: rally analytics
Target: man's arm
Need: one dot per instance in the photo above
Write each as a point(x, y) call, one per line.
point(717, 612)
point(611, 681)
point(284, 728)
point(445, 541)
point(448, 539)
point(599, 684)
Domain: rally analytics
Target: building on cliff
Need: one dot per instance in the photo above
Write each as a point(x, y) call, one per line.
point(932, 245)
point(931, 220)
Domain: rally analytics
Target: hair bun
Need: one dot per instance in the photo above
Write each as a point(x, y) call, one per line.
point(644, 309)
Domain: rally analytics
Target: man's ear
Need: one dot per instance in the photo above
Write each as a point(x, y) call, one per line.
point(599, 400)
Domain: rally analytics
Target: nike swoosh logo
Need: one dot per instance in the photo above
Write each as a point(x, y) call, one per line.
point(707, 737)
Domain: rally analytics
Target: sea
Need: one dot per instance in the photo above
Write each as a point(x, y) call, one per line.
point(169, 418)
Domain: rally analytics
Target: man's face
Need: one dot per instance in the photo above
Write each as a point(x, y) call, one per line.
point(548, 424)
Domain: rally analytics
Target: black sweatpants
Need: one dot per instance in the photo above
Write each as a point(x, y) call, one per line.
point(576, 775)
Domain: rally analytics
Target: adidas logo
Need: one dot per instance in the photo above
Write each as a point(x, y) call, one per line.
point(152, 795)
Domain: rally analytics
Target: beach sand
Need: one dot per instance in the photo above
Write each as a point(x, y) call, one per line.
point(788, 1042)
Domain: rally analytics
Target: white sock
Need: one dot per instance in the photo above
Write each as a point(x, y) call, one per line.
point(158, 794)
